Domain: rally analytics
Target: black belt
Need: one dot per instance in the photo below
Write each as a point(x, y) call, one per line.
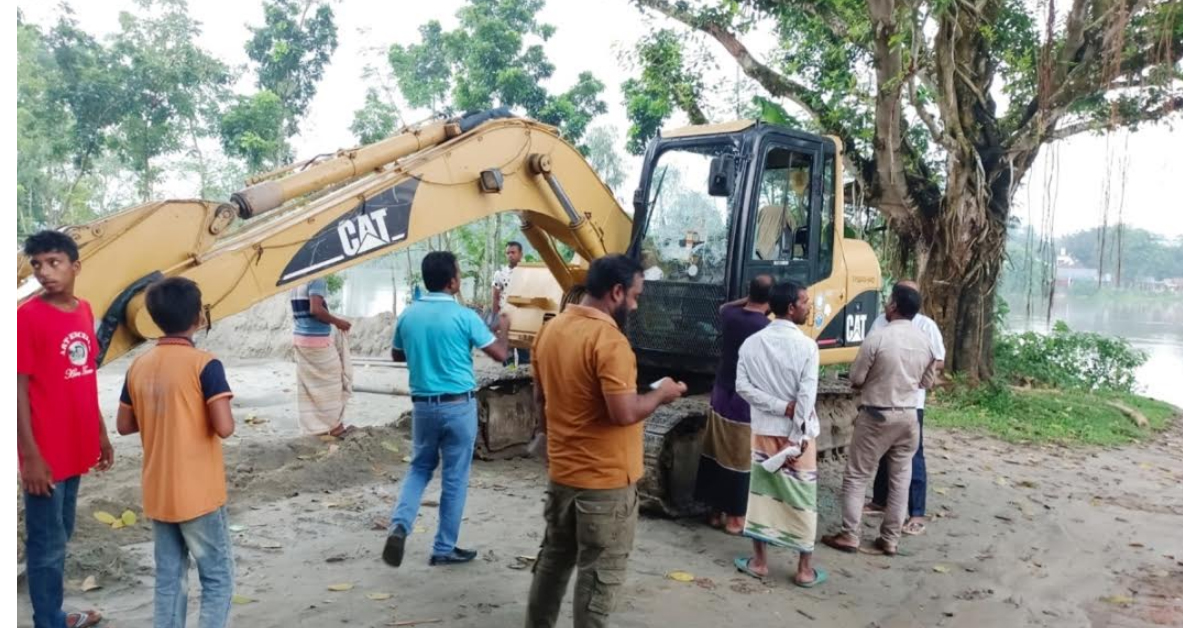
point(885, 408)
point(467, 396)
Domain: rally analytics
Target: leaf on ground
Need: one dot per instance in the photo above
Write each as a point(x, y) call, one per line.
point(89, 584)
point(1119, 600)
point(419, 529)
point(1027, 484)
point(379, 597)
point(341, 586)
point(237, 527)
point(118, 524)
point(1001, 481)
point(379, 524)
point(1145, 465)
point(941, 569)
point(327, 438)
point(940, 491)
point(407, 459)
point(390, 446)
point(271, 545)
point(241, 599)
point(129, 517)
point(681, 576)
point(104, 517)
point(1137, 545)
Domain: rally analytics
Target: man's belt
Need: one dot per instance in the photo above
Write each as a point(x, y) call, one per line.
point(467, 396)
point(887, 408)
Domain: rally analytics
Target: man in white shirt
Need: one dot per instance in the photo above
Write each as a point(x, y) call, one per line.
point(777, 376)
point(915, 524)
point(513, 252)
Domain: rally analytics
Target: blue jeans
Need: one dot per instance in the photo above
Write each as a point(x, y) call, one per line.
point(206, 539)
point(916, 489)
point(49, 523)
point(445, 430)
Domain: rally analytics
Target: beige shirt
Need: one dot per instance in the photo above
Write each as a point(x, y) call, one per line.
point(892, 365)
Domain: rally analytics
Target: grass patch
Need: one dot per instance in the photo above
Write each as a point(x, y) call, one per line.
point(1069, 417)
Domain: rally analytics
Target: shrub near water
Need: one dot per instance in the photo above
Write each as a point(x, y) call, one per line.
point(1068, 359)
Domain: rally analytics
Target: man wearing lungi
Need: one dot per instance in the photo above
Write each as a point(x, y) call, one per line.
point(324, 379)
point(723, 479)
point(777, 376)
point(892, 365)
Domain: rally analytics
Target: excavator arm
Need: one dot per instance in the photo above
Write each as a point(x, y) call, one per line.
point(318, 219)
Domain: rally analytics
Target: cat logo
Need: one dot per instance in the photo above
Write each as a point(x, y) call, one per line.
point(364, 232)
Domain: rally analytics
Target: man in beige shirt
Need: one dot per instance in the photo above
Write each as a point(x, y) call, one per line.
point(892, 365)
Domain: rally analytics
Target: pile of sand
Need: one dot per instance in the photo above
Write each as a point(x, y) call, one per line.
point(265, 331)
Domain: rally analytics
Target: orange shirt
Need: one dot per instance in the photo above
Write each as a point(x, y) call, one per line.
point(578, 357)
point(169, 389)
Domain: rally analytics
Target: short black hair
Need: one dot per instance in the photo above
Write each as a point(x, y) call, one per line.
point(516, 244)
point(437, 269)
point(760, 288)
point(49, 241)
point(907, 300)
point(611, 271)
point(174, 304)
point(783, 295)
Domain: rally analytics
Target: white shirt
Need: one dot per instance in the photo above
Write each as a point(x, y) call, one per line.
point(777, 366)
point(925, 324)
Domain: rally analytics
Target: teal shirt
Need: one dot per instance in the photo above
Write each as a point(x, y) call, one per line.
point(437, 336)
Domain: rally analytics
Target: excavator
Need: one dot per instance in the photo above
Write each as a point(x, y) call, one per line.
point(715, 206)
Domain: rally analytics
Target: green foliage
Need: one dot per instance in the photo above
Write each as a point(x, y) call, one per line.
point(334, 283)
point(1069, 417)
point(376, 120)
point(667, 79)
point(292, 50)
point(493, 58)
point(1144, 254)
point(605, 157)
point(1068, 359)
point(253, 129)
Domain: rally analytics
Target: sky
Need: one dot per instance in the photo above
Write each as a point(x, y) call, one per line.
point(590, 36)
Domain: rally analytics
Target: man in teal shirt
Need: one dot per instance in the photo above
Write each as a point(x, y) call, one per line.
point(437, 336)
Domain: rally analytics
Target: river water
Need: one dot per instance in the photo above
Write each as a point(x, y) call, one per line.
point(1156, 327)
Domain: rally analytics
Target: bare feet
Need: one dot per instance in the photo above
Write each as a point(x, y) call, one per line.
point(735, 525)
point(714, 520)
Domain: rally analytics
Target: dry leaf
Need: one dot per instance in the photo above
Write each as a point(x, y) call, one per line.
point(327, 438)
point(241, 599)
point(118, 524)
point(89, 584)
point(681, 576)
point(407, 459)
point(940, 491)
point(341, 586)
point(941, 569)
point(388, 445)
point(1120, 600)
point(419, 529)
point(129, 517)
point(104, 517)
point(1002, 481)
point(379, 597)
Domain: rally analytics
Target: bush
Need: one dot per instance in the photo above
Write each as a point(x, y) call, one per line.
point(1068, 359)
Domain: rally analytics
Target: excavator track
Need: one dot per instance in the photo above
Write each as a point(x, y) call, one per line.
point(673, 434)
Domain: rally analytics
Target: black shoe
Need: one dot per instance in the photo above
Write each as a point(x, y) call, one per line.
point(459, 555)
point(393, 550)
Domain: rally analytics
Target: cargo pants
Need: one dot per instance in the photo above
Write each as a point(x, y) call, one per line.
point(589, 529)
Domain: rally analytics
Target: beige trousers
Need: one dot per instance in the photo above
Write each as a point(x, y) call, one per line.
point(897, 437)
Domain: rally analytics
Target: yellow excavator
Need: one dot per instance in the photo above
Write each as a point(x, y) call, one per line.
point(715, 206)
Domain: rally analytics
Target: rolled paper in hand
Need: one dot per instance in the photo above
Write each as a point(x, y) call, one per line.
point(774, 463)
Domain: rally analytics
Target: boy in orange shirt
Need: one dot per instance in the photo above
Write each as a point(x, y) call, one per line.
point(177, 397)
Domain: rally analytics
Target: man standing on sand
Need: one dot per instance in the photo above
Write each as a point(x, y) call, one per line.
point(585, 385)
point(324, 381)
point(436, 337)
point(513, 251)
point(777, 375)
point(891, 365)
point(60, 431)
point(915, 525)
point(723, 478)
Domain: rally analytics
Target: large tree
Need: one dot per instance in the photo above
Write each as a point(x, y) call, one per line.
point(486, 62)
point(944, 106)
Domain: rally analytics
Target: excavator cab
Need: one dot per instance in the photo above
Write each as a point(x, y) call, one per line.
point(718, 205)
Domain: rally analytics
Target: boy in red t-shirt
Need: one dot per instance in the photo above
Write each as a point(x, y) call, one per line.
point(60, 431)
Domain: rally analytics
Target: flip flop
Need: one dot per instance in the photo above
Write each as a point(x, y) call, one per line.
point(822, 576)
point(743, 565)
point(913, 528)
point(85, 619)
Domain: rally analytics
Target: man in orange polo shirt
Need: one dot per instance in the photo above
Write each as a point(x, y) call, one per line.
point(585, 382)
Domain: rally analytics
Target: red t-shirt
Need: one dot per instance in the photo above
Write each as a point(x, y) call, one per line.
point(58, 350)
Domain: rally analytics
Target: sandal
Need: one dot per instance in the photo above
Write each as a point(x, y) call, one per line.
point(884, 548)
point(832, 541)
point(743, 565)
point(821, 576)
point(913, 528)
point(86, 619)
